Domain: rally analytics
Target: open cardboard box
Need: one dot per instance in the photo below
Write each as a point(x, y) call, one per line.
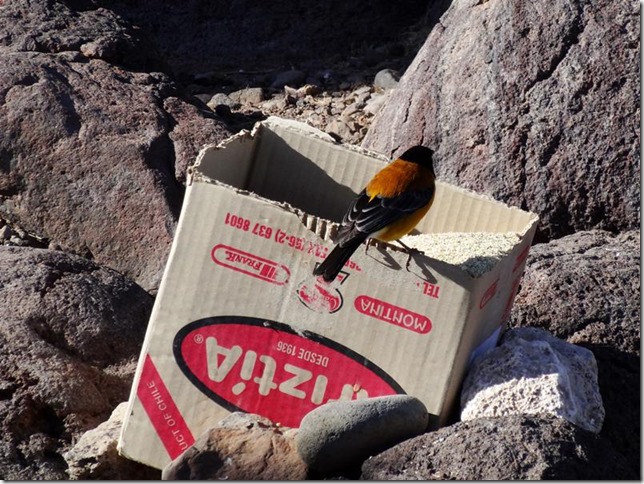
point(240, 323)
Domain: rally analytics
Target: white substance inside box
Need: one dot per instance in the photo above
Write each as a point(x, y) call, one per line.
point(475, 252)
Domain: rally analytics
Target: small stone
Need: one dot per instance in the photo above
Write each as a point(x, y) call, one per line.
point(293, 78)
point(531, 373)
point(339, 434)
point(93, 50)
point(309, 90)
point(339, 128)
point(248, 96)
point(349, 111)
point(273, 104)
point(15, 240)
point(386, 79)
point(376, 102)
point(220, 99)
point(5, 233)
point(241, 447)
point(302, 92)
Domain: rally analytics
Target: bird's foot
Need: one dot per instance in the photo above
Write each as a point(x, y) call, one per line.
point(410, 253)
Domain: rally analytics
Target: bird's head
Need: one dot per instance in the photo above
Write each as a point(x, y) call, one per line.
point(420, 155)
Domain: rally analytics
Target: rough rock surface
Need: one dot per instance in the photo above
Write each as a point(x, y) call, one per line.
point(241, 447)
point(94, 456)
point(531, 372)
point(70, 334)
point(594, 279)
point(89, 160)
point(503, 448)
point(535, 104)
point(343, 433)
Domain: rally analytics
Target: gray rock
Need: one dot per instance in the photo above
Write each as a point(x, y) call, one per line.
point(533, 373)
point(339, 128)
point(585, 288)
point(376, 102)
point(503, 448)
point(5, 233)
point(386, 79)
point(531, 105)
point(95, 457)
point(343, 433)
point(249, 96)
point(76, 35)
point(189, 132)
point(293, 78)
point(595, 278)
point(240, 447)
point(220, 99)
point(70, 335)
point(90, 149)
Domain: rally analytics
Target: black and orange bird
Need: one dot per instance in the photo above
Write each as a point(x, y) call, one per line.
point(389, 207)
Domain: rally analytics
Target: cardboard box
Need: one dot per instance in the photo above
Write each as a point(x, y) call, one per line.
point(240, 323)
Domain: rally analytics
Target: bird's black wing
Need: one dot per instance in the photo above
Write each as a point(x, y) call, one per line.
point(366, 216)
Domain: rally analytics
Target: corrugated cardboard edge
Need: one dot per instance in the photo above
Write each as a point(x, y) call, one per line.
point(324, 228)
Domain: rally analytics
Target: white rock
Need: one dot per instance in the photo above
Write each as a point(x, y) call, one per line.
point(376, 102)
point(386, 79)
point(532, 372)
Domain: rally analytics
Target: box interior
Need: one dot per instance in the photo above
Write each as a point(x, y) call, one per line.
point(284, 164)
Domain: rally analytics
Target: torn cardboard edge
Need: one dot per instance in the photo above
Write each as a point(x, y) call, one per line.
point(325, 228)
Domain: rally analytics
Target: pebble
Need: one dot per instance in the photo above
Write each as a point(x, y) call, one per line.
point(375, 102)
point(532, 372)
point(5, 233)
point(342, 433)
point(220, 99)
point(386, 79)
point(249, 96)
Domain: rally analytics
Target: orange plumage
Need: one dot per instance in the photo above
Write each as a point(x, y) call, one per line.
point(389, 207)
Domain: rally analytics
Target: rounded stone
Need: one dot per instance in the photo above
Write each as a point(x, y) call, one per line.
point(339, 434)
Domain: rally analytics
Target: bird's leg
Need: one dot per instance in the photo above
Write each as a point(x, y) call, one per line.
point(366, 247)
point(410, 251)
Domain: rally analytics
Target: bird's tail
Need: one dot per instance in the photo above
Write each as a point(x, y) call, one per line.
point(334, 262)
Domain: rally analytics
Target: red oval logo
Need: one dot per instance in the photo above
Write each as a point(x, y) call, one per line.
point(265, 367)
point(395, 315)
point(250, 264)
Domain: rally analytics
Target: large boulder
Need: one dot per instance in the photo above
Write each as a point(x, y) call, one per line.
point(503, 448)
point(70, 335)
point(585, 288)
point(89, 156)
point(535, 104)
